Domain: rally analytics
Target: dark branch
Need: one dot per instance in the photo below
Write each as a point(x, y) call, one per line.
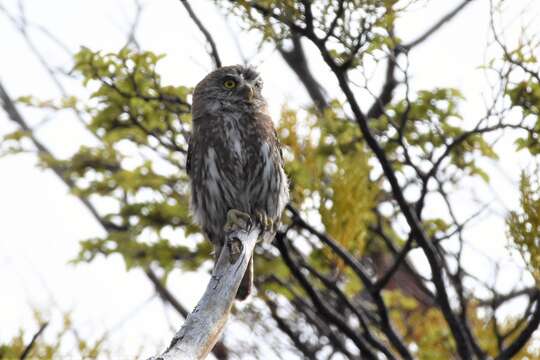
point(463, 343)
point(132, 33)
point(304, 348)
point(355, 265)
point(499, 299)
point(213, 49)
point(165, 294)
point(321, 305)
point(381, 283)
point(525, 335)
point(390, 83)
point(367, 332)
point(295, 57)
point(29, 347)
point(11, 110)
point(427, 34)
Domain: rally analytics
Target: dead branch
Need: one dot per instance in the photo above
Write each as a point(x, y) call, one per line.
point(203, 327)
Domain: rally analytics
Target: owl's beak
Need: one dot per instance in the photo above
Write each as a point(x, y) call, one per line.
point(247, 92)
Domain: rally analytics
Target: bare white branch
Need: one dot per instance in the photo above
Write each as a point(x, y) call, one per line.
point(203, 327)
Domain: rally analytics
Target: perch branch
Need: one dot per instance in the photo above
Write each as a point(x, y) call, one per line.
point(204, 325)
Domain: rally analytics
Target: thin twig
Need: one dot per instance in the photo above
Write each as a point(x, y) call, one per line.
point(437, 25)
point(132, 36)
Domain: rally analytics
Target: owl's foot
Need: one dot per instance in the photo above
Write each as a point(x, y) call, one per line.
point(264, 221)
point(237, 220)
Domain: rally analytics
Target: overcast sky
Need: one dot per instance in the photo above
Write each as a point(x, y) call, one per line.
point(40, 223)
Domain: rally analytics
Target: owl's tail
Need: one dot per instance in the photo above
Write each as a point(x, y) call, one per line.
point(247, 282)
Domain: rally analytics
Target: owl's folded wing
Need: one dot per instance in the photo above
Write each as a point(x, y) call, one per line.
point(189, 156)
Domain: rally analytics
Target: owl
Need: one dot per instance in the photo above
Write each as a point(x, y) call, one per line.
point(234, 159)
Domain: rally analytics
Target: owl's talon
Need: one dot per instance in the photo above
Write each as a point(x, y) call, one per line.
point(264, 221)
point(237, 220)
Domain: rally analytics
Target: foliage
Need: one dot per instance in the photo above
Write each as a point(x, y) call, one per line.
point(141, 126)
point(330, 172)
point(524, 225)
point(432, 123)
point(53, 346)
point(364, 27)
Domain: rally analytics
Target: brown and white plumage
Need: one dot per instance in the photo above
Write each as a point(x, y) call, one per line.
point(234, 157)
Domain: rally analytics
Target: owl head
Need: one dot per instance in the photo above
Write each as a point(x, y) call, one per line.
point(229, 85)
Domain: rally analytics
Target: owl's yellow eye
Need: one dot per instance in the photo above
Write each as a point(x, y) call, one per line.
point(229, 84)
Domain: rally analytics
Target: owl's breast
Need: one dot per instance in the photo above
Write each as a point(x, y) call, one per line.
point(234, 140)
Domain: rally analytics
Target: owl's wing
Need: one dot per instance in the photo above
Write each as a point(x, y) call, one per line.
point(269, 132)
point(189, 155)
point(279, 148)
point(196, 144)
point(274, 143)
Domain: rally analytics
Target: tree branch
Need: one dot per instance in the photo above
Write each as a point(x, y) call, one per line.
point(437, 25)
point(9, 107)
point(387, 90)
point(165, 294)
point(304, 348)
point(204, 325)
point(354, 264)
point(463, 343)
point(331, 285)
point(29, 347)
point(213, 52)
point(295, 57)
point(132, 37)
point(325, 310)
point(525, 335)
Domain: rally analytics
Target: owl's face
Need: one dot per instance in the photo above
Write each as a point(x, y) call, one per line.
point(230, 85)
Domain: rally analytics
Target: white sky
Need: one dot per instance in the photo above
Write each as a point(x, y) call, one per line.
point(40, 223)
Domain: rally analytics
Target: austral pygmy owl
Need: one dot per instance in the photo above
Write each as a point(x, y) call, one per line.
point(234, 158)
